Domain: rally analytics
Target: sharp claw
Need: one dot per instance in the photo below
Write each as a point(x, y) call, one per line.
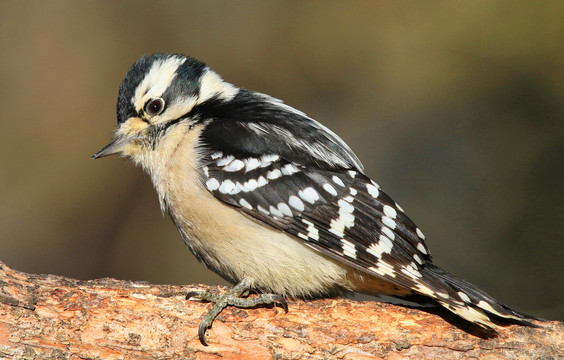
point(284, 305)
point(202, 333)
point(193, 294)
point(282, 302)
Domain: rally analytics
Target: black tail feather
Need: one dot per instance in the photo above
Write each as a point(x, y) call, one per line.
point(471, 303)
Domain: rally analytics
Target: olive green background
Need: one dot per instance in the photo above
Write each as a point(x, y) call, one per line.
point(456, 109)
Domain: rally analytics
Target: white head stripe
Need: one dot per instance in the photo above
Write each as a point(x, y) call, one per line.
point(157, 80)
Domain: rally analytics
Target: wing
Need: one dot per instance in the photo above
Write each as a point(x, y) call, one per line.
point(331, 206)
point(342, 214)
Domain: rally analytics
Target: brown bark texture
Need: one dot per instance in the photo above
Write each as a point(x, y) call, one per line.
point(53, 317)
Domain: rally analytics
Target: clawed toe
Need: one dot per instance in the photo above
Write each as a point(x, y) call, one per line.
point(279, 299)
point(202, 296)
point(232, 297)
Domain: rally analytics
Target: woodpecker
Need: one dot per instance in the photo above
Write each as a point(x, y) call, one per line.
point(272, 200)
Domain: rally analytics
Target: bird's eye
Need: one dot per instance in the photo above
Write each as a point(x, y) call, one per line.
point(154, 107)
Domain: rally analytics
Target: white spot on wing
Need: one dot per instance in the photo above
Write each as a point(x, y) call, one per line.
point(251, 164)
point(225, 160)
point(345, 207)
point(385, 244)
point(337, 227)
point(389, 233)
point(212, 184)
point(274, 174)
point(268, 159)
point(375, 250)
point(424, 289)
point(274, 211)
point(226, 187)
point(262, 181)
point(399, 207)
point(296, 203)
point(309, 194)
point(237, 189)
point(420, 234)
point(250, 185)
point(234, 165)
point(338, 181)
point(372, 190)
point(348, 248)
point(484, 305)
point(330, 189)
point(312, 231)
point(443, 295)
point(289, 169)
point(284, 209)
point(411, 273)
point(464, 297)
point(390, 211)
point(245, 204)
point(421, 248)
point(345, 215)
point(388, 222)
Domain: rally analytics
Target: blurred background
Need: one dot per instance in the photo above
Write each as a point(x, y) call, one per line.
point(455, 108)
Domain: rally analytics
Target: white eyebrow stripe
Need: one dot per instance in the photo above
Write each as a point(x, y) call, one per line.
point(157, 80)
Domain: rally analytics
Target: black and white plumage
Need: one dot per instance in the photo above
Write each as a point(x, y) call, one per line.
point(322, 197)
point(303, 193)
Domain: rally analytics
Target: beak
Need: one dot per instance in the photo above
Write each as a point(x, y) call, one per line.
point(115, 147)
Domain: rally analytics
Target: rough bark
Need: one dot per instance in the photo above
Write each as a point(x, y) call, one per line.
point(52, 317)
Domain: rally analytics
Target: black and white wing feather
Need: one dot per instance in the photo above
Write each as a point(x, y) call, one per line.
point(280, 167)
point(283, 168)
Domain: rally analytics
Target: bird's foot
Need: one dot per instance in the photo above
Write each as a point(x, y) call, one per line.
point(236, 296)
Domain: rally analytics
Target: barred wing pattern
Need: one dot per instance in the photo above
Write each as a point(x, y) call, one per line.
point(283, 168)
point(343, 213)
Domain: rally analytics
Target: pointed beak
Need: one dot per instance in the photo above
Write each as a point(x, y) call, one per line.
point(130, 132)
point(115, 147)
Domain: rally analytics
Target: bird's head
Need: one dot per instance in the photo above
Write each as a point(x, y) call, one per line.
point(158, 92)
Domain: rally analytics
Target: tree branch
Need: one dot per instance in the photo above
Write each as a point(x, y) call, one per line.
point(48, 317)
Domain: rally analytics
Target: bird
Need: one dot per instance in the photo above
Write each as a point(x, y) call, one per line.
point(272, 200)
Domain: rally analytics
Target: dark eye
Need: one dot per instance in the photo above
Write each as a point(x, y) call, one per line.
point(154, 107)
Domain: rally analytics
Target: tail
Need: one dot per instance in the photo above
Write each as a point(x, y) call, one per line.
point(469, 302)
